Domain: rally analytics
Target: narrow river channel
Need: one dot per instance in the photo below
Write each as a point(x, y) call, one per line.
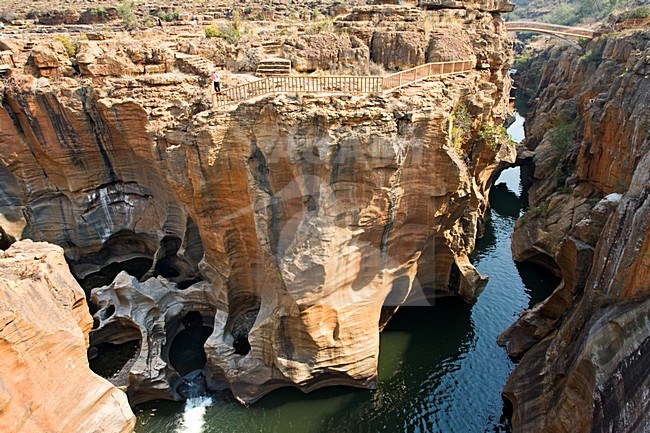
point(440, 369)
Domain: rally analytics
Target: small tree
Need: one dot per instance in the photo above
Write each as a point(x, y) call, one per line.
point(71, 45)
point(232, 33)
point(126, 12)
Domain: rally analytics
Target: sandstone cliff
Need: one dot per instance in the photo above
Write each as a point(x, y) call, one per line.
point(310, 219)
point(586, 348)
point(45, 382)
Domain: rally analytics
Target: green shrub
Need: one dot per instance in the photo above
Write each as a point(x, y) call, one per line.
point(232, 33)
point(494, 136)
point(595, 56)
point(561, 135)
point(169, 17)
point(319, 27)
point(211, 31)
point(541, 210)
point(534, 212)
point(638, 13)
point(71, 45)
point(127, 14)
point(461, 126)
point(99, 12)
point(523, 60)
point(564, 14)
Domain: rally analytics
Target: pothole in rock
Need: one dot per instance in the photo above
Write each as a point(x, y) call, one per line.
point(240, 331)
point(170, 265)
point(186, 353)
point(107, 359)
point(113, 348)
point(136, 267)
point(122, 251)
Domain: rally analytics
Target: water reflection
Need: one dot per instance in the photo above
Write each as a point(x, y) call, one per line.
point(438, 339)
point(505, 202)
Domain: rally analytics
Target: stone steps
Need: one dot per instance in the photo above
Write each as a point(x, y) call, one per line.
point(276, 66)
point(272, 47)
point(194, 64)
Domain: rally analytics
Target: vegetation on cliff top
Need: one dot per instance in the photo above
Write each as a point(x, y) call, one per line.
point(231, 33)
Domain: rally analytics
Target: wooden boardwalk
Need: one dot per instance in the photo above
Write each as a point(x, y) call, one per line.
point(346, 84)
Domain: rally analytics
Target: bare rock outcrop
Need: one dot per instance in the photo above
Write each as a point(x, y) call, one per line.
point(587, 346)
point(152, 314)
point(336, 231)
point(311, 218)
point(45, 382)
point(325, 51)
point(104, 215)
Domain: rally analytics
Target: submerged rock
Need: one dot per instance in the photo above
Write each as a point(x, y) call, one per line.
point(192, 385)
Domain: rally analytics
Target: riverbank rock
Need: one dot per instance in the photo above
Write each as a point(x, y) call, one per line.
point(311, 218)
point(152, 314)
point(45, 382)
point(586, 348)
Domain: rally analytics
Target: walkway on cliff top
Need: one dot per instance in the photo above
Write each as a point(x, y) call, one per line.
point(382, 84)
point(340, 83)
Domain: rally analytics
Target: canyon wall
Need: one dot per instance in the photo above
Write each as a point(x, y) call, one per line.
point(586, 349)
point(44, 326)
point(294, 224)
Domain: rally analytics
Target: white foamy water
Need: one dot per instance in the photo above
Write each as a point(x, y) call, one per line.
point(194, 415)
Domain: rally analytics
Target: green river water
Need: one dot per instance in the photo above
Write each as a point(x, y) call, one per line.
point(440, 369)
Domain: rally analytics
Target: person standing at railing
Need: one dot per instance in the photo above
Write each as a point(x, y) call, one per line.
point(216, 81)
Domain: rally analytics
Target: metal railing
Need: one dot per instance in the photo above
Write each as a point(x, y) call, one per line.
point(339, 83)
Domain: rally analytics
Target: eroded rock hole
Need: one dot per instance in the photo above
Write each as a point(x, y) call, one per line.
point(114, 346)
point(108, 312)
point(168, 267)
point(136, 267)
point(182, 285)
point(5, 239)
point(241, 328)
point(186, 353)
point(108, 359)
point(172, 264)
point(123, 251)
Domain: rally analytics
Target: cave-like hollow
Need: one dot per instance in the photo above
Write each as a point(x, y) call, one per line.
point(123, 251)
point(114, 348)
point(175, 267)
point(240, 330)
point(186, 352)
point(243, 311)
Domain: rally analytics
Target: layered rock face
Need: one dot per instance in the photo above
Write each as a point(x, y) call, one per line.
point(309, 219)
point(586, 349)
point(44, 325)
point(153, 314)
